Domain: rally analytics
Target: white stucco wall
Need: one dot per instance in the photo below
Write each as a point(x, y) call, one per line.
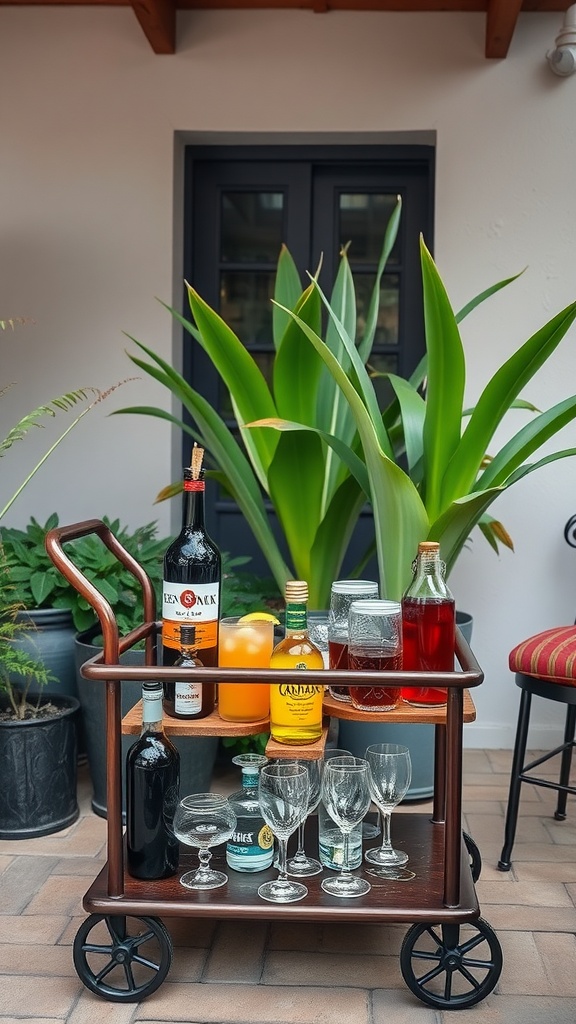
point(88, 118)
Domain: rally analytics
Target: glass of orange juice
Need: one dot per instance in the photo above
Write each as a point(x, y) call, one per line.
point(244, 643)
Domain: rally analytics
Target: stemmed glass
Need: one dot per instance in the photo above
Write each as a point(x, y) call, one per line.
point(283, 790)
point(346, 795)
point(391, 771)
point(300, 864)
point(204, 820)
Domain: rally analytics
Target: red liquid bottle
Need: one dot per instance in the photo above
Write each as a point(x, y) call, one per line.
point(428, 625)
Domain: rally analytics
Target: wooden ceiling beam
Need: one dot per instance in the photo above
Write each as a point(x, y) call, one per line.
point(158, 21)
point(501, 18)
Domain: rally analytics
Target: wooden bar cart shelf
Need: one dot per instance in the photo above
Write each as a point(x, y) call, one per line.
point(450, 958)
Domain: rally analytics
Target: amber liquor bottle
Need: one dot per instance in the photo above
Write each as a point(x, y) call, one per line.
point(296, 708)
point(192, 575)
point(187, 698)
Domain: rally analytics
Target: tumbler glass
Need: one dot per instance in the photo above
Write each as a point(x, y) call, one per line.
point(375, 644)
point(343, 593)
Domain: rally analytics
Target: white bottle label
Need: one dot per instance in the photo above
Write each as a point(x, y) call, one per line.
point(190, 602)
point(187, 698)
point(194, 604)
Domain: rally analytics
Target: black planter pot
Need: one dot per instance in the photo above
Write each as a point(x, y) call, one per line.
point(38, 759)
point(52, 642)
point(197, 754)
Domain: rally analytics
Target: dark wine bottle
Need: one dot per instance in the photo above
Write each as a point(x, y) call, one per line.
point(188, 699)
point(152, 788)
point(192, 574)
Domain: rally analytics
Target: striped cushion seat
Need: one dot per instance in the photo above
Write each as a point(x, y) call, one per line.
point(549, 655)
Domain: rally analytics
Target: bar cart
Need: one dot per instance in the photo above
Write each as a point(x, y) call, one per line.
point(450, 957)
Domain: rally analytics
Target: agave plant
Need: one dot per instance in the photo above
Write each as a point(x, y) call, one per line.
point(316, 498)
point(422, 462)
point(450, 480)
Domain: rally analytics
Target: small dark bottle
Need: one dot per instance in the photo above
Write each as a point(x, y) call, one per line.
point(152, 786)
point(188, 699)
point(192, 575)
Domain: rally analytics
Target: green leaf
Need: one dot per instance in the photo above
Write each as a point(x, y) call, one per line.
point(496, 400)
point(287, 292)
point(454, 526)
point(390, 235)
point(445, 384)
point(227, 453)
point(348, 457)
point(412, 415)
point(531, 437)
point(332, 539)
point(297, 368)
point(482, 296)
point(240, 373)
point(398, 509)
point(298, 458)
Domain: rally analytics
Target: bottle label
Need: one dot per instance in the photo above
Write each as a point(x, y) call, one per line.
point(251, 846)
point(296, 703)
point(187, 698)
point(152, 706)
point(190, 604)
point(296, 617)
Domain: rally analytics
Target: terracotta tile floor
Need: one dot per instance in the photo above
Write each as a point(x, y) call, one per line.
point(254, 973)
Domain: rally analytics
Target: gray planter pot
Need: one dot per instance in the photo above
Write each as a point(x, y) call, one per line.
point(38, 759)
point(197, 753)
point(52, 642)
point(356, 736)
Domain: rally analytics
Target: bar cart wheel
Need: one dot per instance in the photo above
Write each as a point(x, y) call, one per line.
point(474, 854)
point(451, 966)
point(126, 959)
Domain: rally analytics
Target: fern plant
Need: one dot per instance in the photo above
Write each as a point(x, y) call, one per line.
point(15, 664)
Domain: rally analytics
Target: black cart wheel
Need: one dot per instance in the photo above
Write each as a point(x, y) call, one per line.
point(475, 858)
point(123, 959)
point(451, 966)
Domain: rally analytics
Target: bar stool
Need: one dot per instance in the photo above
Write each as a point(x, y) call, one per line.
point(545, 666)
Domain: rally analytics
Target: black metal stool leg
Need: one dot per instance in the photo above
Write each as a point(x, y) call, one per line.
point(515, 781)
point(566, 762)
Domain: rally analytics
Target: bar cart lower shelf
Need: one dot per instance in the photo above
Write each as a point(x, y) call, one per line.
point(450, 958)
point(451, 963)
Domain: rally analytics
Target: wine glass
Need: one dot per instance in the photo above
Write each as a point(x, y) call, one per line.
point(283, 790)
point(330, 837)
point(346, 795)
point(391, 771)
point(300, 864)
point(204, 820)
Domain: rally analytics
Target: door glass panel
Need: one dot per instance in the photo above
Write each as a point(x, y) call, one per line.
point(251, 226)
point(363, 220)
point(387, 323)
point(246, 304)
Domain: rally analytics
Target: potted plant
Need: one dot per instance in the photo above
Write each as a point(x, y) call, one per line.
point(48, 598)
point(423, 462)
point(37, 734)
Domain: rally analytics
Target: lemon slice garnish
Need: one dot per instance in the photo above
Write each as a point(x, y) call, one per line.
point(259, 617)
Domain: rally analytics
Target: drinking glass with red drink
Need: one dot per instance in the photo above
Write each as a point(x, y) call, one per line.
point(343, 593)
point(375, 644)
